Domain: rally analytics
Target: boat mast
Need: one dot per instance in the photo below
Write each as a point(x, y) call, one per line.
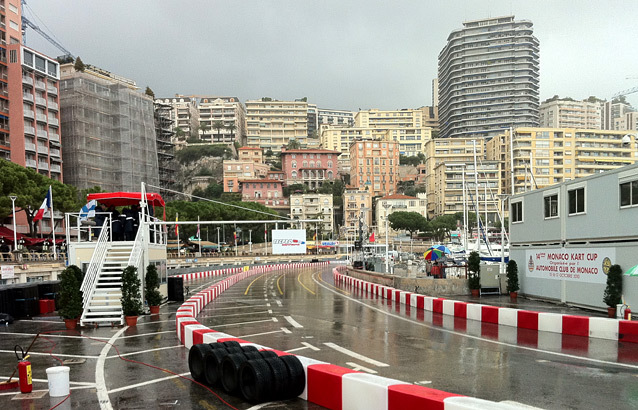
point(478, 215)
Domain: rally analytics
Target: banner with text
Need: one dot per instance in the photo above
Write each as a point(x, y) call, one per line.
point(288, 241)
point(574, 264)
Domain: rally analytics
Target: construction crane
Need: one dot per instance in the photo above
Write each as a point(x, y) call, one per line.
point(28, 23)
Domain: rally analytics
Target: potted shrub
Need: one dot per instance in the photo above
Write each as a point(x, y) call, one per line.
point(131, 297)
point(613, 291)
point(473, 270)
point(70, 297)
point(512, 279)
point(151, 289)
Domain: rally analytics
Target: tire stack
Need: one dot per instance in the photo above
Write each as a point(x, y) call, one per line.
point(258, 376)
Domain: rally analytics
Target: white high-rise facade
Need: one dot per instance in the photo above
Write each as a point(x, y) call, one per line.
point(488, 78)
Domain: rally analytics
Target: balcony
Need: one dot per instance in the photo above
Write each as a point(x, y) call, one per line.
point(52, 90)
point(43, 166)
point(54, 152)
point(27, 97)
point(41, 84)
point(43, 150)
point(31, 163)
point(29, 114)
point(41, 101)
point(54, 137)
point(54, 121)
point(43, 134)
point(29, 130)
point(56, 168)
point(27, 80)
point(29, 146)
point(41, 117)
point(53, 105)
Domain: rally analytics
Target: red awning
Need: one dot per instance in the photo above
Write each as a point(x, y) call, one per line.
point(125, 198)
point(7, 234)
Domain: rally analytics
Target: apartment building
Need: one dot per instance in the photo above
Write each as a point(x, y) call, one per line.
point(339, 138)
point(34, 120)
point(629, 121)
point(253, 154)
point(547, 156)
point(456, 184)
point(389, 204)
point(567, 113)
point(430, 117)
point(311, 167)
point(184, 115)
point(357, 206)
point(404, 126)
point(234, 172)
point(268, 192)
point(612, 111)
point(10, 34)
point(108, 131)
point(335, 117)
point(374, 166)
point(488, 78)
point(314, 206)
point(271, 124)
point(221, 119)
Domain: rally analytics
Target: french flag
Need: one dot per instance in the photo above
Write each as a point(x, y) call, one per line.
point(46, 205)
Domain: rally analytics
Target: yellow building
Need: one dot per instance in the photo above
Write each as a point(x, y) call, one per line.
point(272, 124)
point(339, 138)
point(547, 156)
point(314, 206)
point(357, 203)
point(374, 166)
point(404, 126)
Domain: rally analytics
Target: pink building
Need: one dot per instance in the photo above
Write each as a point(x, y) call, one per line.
point(253, 154)
point(278, 175)
point(236, 171)
point(309, 166)
point(268, 192)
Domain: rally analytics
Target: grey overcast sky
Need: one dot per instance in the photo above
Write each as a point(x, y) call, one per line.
point(340, 54)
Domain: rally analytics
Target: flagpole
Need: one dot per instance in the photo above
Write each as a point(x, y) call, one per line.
point(55, 252)
point(199, 237)
point(177, 233)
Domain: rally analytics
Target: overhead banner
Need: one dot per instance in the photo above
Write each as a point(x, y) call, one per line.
point(588, 265)
point(288, 241)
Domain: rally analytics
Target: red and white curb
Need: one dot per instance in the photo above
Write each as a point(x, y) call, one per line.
point(327, 385)
point(569, 325)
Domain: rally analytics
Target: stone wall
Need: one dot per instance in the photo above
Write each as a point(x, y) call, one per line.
point(425, 286)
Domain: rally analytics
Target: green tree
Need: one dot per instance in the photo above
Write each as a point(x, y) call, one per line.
point(189, 155)
point(218, 126)
point(613, 290)
point(70, 294)
point(295, 188)
point(512, 276)
point(231, 127)
point(131, 297)
point(152, 284)
point(204, 128)
point(293, 144)
point(268, 153)
point(149, 92)
point(473, 269)
point(405, 160)
point(79, 65)
point(179, 133)
point(408, 221)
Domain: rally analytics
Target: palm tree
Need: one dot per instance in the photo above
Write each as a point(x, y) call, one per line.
point(218, 125)
point(293, 144)
point(203, 128)
point(231, 127)
point(179, 133)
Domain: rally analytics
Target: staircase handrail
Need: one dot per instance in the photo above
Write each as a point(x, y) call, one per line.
point(138, 248)
point(97, 261)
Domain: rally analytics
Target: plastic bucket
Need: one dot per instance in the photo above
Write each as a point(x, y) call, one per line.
point(58, 381)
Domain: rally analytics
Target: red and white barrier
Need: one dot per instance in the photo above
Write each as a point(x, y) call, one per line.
point(570, 325)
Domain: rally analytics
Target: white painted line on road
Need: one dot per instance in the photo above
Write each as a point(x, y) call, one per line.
point(356, 355)
point(279, 303)
point(274, 319)
point(86, 384)
point(268, 304)
point(285, 330)
point(143, 351)
point(549, 352)
point(260, 406)
point(242, 307)
point(296, 349)
point(56, 354)
point(57, 322)
point(52, 335)
point(134, 386)
point(308, 345)
point(424, 382)
point(260, 334)
point(293, 322)
point(46, 381)
point(243, 323)
point(147, 334)
point(100, 382)
point(265, 298)
point(359, 368)
point(245, 313)
point(270, 311)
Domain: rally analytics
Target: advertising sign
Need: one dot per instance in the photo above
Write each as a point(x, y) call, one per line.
point(329, 244)
point(288, 241)
point(574, 264)
point(7, 272)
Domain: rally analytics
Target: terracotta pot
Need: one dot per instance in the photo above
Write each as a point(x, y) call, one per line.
point(154, 310)
point(131, 320)
point(611, 312)
point(71, 324)
point(475, 292)
point(513, 295)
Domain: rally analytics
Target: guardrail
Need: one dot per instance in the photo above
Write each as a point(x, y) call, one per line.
point(97, 261)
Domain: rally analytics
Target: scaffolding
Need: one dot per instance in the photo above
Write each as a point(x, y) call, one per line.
point(107, 131)
point(165, 146)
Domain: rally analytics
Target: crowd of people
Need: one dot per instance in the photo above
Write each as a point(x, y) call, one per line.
point(124, 224)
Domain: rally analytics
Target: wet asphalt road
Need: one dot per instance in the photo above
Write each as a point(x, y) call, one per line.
point(301, 311)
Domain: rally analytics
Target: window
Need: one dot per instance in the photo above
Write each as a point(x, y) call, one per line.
point(551, 206)
point(629, 193)
point(517, 212)
point(13, 56)
point(294, 174)
point(576, 199)
point(294, 164)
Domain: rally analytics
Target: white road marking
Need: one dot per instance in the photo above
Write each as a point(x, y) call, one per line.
point(260, 406)
point(270, 311)
point(147, 334)
point(57, 321)
point(57, 354)
point(268, 304)
point(100, 383)
point(46, 390)
point(246, 313)
point(356, 355)
point(285, 330)
point(260, 334)
point(279, 303)
point(133, 386)
point(587, 359)
point(52, 335)
point(143, 351)
point(308, 345)
point(238, 307)
point(293, 322)
point(424, 382)
point(265, 298)
point(244, 323)
point(296, 349)
point(15, 378)
point(359, 368)
point(274, 319)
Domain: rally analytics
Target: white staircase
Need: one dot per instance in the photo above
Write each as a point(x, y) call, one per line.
point(103, 306)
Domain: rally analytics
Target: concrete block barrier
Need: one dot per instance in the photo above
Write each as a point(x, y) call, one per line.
point(365, 391)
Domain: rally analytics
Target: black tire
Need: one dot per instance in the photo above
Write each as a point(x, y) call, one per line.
point(296, 376)
point(217, 345)
point(230, 372)
point(253, 355)
point(255, 381)
point(196, 361)
point(267, 353)
point(214, 366)
point(231, 343)
point(279, 378)
point(249, 348)
point(234, 349)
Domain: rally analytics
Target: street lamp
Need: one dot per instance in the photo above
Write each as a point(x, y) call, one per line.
point(250, 241)
point(13, 208)
point(219, 246)
point(387, 206)
point(502, 197)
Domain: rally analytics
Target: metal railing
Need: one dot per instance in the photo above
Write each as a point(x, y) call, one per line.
point(97, 261)
point(137, 251)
